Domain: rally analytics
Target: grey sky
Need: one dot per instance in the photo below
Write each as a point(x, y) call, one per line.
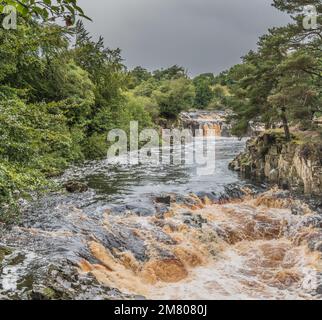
point(201, 35)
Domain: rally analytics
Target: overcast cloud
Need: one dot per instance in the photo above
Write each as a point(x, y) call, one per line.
point(201, 35)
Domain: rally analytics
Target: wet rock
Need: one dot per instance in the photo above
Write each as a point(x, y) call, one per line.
point(75, 187)
point(195, 221)
point(161, 210)
point(69, 285)
point(163, 224)
point(232, 192)
point(207, 195)
point(141, 212)
point(319, 290)
point(292, 165)
point(285, 185)
point(297, 210)
point(281, 194)
point(41, 280)
point(165, 199)
point(124, 239)
point(162, 237)
point(3, 253)
point(317, 247)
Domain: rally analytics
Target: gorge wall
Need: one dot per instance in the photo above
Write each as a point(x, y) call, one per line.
point(296, 165)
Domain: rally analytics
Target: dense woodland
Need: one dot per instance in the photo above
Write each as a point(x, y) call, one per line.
point(61, 91)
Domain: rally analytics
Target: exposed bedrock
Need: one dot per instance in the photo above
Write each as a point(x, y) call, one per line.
point(296, 165)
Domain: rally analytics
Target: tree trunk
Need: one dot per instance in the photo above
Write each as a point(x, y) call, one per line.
point(285, 125)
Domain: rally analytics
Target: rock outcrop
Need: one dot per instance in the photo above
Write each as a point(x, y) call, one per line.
point(296, 165)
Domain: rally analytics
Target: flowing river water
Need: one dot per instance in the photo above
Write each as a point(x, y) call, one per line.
point(164, 232)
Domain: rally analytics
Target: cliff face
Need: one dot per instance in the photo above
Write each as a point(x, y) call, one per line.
point(296, 165)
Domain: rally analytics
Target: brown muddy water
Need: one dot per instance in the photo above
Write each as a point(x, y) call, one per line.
point(164, 232)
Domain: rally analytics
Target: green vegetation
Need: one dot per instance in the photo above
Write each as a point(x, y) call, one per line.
point(280, 83)
point(47, 9)
point(169, 91)
point(61, 91)
point(60, 94)
point(58, 100)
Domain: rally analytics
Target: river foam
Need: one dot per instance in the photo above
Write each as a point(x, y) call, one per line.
point(254, 248)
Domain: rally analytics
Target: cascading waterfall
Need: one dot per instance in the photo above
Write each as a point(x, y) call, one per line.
point(239, 249)
point(211, 129)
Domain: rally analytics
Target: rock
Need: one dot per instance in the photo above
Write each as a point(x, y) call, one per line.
point(319, 290)
point(292, 165)
point(3, 253)
point(273, 175)
point(75, 187)
point(166, 199)
point(141, 212)
point(195, 221)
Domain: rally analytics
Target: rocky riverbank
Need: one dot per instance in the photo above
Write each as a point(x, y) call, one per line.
point(296, 165)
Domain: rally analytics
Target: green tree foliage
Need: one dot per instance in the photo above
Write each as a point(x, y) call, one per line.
point(280, 83)
point(167, 92)
point(204, 92)
point(34, 144)
point(175, 96)
point(57, 103)
point(137, 76)
point(47, 9)
point(147, 88)
point(172, 73)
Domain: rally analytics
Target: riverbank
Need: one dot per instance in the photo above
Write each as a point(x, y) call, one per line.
point(294, 165)
point(142, 232)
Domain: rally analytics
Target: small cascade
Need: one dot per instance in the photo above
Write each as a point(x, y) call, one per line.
point(212, 130)
point(206, 123)
point(254, 247)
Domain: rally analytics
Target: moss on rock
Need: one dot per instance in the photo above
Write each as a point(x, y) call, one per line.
point(3, 253)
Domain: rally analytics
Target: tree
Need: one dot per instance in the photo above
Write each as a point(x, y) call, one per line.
point(137, 76)
point(209, 77)
point(172, 73)
point(146, 88)
point(281, 81)
point(204, 93)
point(47, 9)
point(107, 73)
point(55, 100)
point(175, 96)
point(296, 95)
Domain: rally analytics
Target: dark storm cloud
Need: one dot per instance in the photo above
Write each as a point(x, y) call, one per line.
point(201, 35)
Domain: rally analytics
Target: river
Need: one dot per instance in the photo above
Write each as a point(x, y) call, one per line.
point(163, 232)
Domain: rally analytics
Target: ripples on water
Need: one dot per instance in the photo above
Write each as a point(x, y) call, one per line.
point(192, 243)
point(116, 181)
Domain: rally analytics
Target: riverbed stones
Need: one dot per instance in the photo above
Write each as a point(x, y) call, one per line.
point(3, 253)
point(195, 221)
point(75, 187)
point(165, 199)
